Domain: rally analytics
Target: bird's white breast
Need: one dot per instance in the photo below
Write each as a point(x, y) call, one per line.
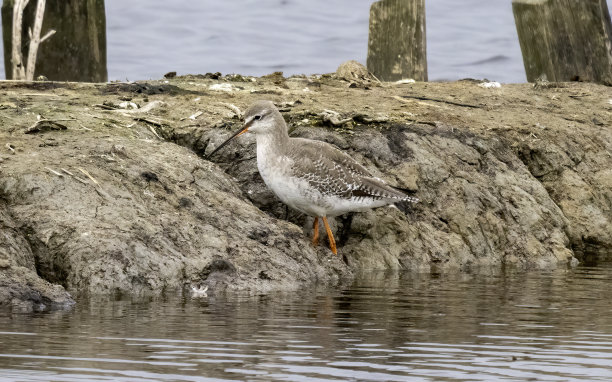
point(296, 192)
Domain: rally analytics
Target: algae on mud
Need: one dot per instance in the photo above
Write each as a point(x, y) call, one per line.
point(122, 201)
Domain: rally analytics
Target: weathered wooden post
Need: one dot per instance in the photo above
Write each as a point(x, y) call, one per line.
point(76, 52)
point(565, 40)
point(396, 46)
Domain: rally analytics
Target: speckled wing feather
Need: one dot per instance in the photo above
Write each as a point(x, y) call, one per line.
point(335, 173)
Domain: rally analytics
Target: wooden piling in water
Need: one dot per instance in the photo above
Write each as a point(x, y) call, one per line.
point(396, 43)
point(76, 52)
point(565, 40)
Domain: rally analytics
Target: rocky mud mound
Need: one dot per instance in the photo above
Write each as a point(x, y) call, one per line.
point(104, 188)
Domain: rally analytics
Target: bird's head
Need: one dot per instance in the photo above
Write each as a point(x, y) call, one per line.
point(262, 117)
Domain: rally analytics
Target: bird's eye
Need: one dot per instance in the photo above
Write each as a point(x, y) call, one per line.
point(257, 117)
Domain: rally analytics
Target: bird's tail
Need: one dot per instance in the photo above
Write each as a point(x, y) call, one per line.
point(407, 194)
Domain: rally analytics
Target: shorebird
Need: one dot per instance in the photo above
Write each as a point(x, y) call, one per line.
point(311, 176)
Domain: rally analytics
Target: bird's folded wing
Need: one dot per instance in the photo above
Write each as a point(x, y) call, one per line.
point(333, 172)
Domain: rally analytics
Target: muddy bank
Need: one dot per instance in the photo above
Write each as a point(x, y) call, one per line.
point(110, 194)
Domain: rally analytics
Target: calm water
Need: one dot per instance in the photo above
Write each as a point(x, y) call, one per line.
point(148, 38)
point(544, 326)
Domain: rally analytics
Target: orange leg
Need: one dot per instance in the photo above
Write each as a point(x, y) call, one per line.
point(330, 236)
point(315, 232)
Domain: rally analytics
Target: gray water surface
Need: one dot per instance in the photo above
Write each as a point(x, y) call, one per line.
point(512, 326)
point(148, 38)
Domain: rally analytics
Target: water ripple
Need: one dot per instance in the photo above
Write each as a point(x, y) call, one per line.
point(476, 327)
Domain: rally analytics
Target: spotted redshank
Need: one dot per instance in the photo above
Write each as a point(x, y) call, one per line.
point(311, 176)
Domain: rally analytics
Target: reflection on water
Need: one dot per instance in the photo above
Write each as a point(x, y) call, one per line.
point(545, 326)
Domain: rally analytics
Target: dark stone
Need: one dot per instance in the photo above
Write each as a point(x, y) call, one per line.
point(185, 202)
point(149, 176)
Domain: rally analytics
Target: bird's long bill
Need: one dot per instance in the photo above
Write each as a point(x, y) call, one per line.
point(242, 130)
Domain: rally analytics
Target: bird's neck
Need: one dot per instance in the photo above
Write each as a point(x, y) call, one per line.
point(273, 142)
